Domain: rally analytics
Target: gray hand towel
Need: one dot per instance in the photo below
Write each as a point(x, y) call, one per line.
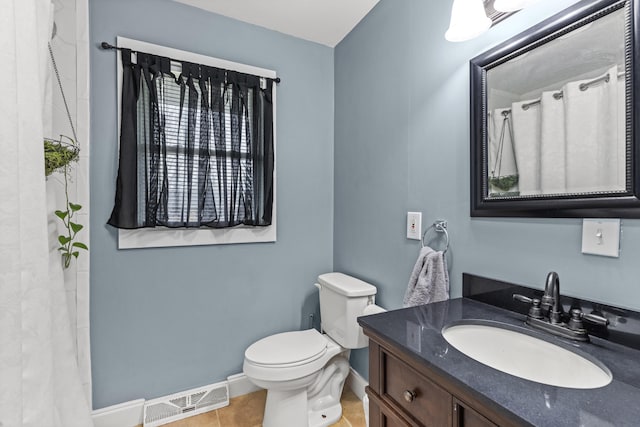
point(429, 281)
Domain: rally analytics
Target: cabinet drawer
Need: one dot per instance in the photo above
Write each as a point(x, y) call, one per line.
point(422, 399)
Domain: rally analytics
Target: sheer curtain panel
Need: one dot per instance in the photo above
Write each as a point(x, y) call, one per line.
point(196, 146)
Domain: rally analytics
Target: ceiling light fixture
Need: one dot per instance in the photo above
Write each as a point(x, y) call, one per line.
point(468, 20)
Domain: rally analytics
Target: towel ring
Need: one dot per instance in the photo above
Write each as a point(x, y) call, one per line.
point(440, 227)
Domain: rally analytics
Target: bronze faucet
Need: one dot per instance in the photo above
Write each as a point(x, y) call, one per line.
point(551, 298)
point(548, 314)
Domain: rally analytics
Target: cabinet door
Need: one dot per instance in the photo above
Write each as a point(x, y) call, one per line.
point(415, 395)
point(464, 416)
point(382, 416)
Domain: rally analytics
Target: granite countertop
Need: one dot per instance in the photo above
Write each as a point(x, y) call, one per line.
point(417, 332)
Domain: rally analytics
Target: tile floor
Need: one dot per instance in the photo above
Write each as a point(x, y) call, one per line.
point(246, 411)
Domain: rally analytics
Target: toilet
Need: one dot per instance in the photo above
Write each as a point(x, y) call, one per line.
point(304, 371)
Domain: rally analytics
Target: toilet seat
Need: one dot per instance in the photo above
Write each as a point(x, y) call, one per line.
point(289, 356)
point(287, 349)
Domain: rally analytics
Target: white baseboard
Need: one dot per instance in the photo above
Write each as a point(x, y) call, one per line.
point(131, 414)
point(356, 383)
point(240, 385)
point(127, 414)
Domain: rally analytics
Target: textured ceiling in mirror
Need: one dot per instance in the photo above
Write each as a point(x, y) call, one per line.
point(585, 51)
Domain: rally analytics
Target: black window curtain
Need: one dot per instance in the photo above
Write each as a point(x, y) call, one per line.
point(196, 150)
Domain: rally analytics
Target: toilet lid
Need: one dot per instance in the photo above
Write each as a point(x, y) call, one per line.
point(287, 348)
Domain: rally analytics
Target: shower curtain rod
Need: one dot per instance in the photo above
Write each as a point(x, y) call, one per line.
point(107, 46)
point(583, 87)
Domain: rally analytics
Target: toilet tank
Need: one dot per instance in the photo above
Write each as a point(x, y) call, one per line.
point(342, 299)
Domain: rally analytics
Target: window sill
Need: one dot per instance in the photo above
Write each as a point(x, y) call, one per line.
point(167, 237)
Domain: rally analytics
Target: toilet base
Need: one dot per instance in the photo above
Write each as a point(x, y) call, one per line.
point(326, 417)
point(312, 400)
point(285, 408)
point(290, 408)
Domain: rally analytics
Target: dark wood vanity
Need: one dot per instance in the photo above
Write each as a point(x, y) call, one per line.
point(417, 379)
point(405, 392)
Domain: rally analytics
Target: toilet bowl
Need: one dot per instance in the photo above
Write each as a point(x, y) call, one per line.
point(304, 371)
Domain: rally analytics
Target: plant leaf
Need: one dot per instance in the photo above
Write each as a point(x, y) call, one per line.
point(75, 227)
point(75, 254)
point(61, 214)
point(64, 240)
point(80, 245)
point(75, 207)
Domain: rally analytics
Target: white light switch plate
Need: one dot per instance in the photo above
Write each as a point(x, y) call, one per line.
point(601, 237)
point(414, 225)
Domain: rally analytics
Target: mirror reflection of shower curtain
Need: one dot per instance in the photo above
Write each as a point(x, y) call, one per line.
point(573, 140)
point(526, 144)
point(552, 144)
point(593, 156)
point(622, 131)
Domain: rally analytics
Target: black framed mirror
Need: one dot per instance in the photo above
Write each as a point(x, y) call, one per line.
point(554, 112)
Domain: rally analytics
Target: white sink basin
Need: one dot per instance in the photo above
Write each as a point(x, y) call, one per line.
point(503, 348)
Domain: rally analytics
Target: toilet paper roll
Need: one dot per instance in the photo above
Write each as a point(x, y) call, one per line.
point(372, 309)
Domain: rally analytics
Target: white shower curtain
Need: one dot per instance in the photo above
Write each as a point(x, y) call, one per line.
point(622, 130)
point(591, 126)
point(39, 380)
point(526, 138)
point(552, 144)
point(572, 140)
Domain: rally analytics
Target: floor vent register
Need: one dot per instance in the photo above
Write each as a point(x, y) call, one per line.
point(177, 406)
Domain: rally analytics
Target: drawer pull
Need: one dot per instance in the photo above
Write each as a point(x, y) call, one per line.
point(409, 395)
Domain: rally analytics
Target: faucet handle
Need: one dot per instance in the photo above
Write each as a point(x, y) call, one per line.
point(575, 321)
point(523, 299)
point(577, 316)
point(595, 319)
point(535, 311)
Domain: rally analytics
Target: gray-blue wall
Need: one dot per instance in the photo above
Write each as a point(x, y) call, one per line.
point(402, 144)
point(165, 320)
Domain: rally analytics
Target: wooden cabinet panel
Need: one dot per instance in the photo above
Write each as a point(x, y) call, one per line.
point(383, 415)
point(419, 397)
point(393, 422)
point(464, 416)
point(404, 393)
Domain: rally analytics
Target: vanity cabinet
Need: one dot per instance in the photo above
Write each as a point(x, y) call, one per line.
point(405, 392)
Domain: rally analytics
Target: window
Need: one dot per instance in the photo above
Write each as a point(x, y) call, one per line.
point(204, 151)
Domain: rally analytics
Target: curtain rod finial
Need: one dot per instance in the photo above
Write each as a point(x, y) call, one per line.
point(106, 45)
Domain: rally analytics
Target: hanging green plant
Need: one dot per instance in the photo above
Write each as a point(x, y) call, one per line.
point(58, 155)
point(68, 246)
point(504, 183)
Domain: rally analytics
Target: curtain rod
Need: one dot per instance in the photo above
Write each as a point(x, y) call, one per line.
point(107, 46)
point(558, 95)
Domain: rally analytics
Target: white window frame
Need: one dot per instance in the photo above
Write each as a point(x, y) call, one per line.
point(166, 237)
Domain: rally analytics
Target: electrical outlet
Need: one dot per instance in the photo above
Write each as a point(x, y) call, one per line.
point(414, 225)
point(601, 237)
